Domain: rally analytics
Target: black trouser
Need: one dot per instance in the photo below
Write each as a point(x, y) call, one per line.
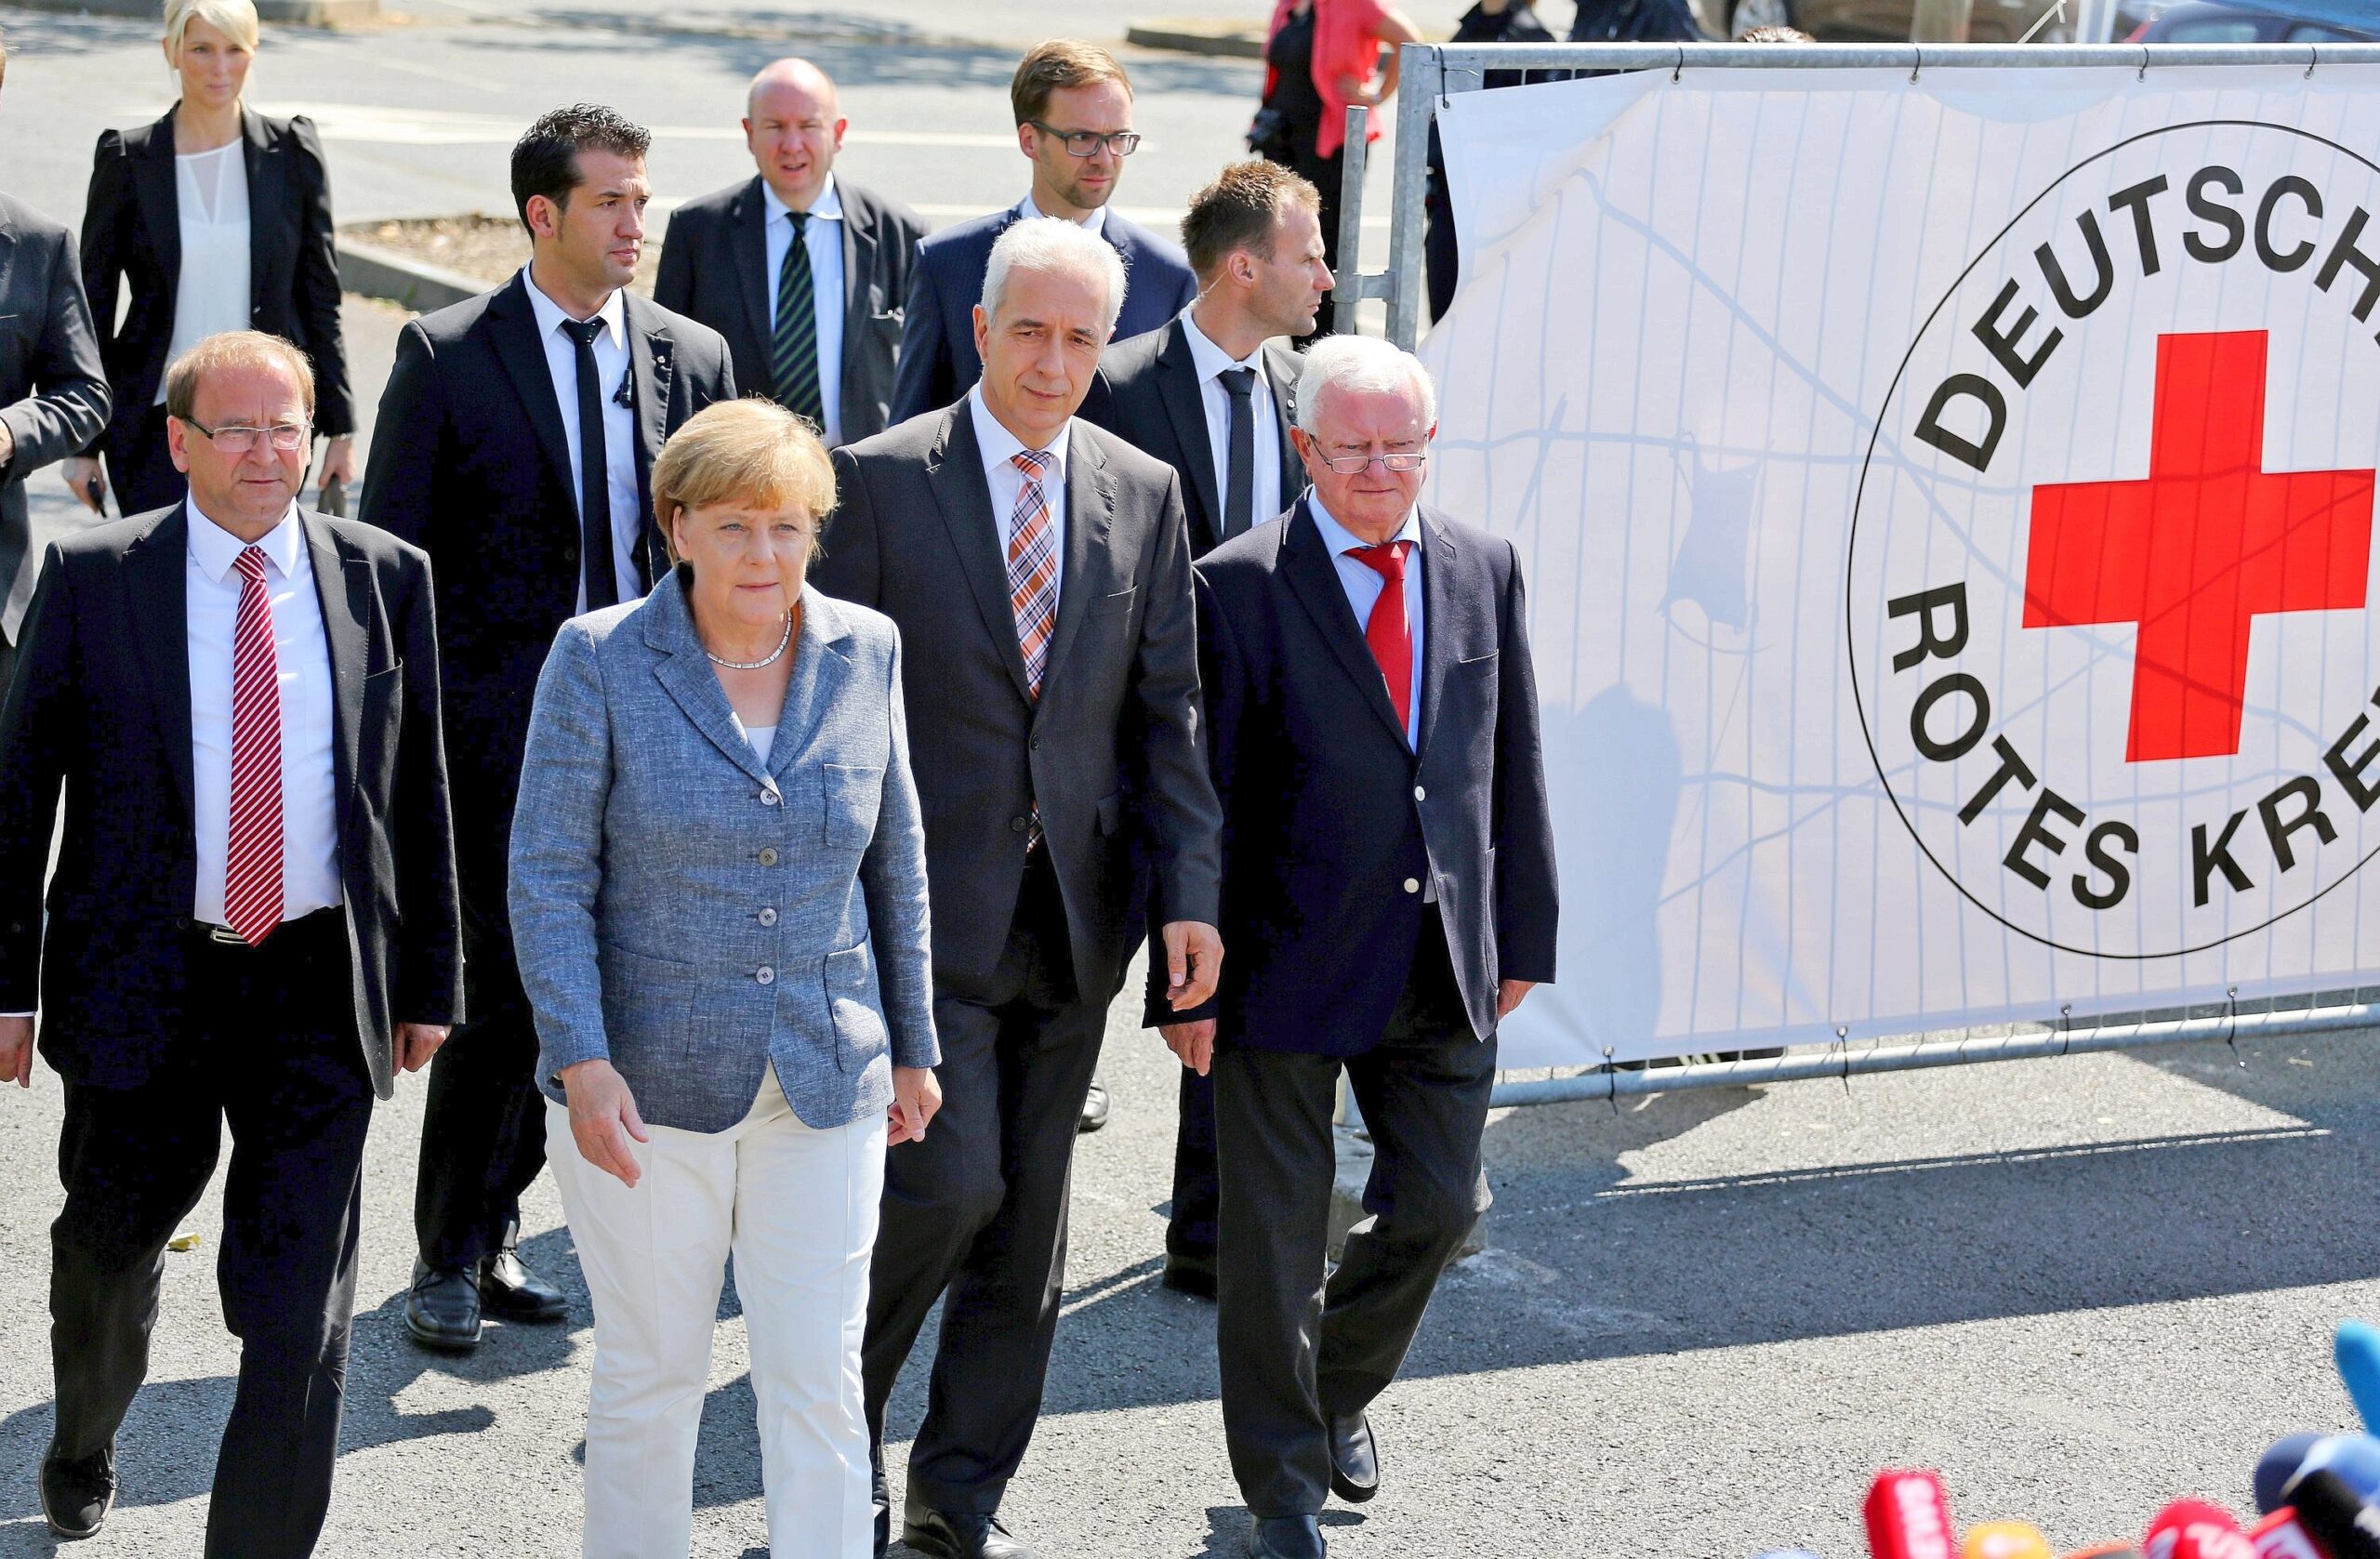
point(484, 1125)
point(140, 469)
point(1190, 1229)
point(978, 1208)
point(1296, 1353)
point(276, 1028)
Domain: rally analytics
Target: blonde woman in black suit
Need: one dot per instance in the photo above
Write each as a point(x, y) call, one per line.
point(213, 218)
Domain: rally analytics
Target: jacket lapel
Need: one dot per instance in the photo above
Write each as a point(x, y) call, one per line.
point(651, 366)
point(684, 672)
point(343, 583)
point(1178, 387)
point(750, 240)
point(1090, 513)
point(859, 264)
point(523, 356)
point(160, 612)
point(264, 195)
point(1313, 578)
point(955, 477)
point(161, 201)
point(1438, 638)
point(821, 665)
point(1282, 367)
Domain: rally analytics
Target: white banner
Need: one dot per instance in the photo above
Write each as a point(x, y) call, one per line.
point(1947, 512)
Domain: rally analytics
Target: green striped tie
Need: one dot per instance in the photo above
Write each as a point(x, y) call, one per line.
point(793, 349)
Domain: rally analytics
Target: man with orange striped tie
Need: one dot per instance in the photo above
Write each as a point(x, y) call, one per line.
point(253, 919)
point(1040, 571)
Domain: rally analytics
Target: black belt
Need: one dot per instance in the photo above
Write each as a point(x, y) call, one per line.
point(224, 936)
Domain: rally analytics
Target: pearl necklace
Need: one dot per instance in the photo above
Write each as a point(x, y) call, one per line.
point(755, 664)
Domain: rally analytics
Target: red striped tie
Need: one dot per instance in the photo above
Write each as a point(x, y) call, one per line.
point(251, 859)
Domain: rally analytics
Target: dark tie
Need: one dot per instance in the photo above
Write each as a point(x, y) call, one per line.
point(793, 345)
point(1239, 500)
point(594, 474)
point(1390, 635)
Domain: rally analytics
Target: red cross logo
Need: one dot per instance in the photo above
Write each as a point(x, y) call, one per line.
point(2200, 550)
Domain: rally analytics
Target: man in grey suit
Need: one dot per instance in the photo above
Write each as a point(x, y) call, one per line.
point(53, 388)
point(804, 271)
point(1040, 571)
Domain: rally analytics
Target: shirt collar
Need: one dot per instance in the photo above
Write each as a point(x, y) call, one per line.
point(1210, 359)
point(215, 550)
point(550, 314)
point(1000, 446)
point(1340, 539)
point(827, 207)
point(1094, 223)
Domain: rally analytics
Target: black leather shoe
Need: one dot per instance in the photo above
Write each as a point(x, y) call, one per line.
point(939, 1535)
point(76, 1496)
point(1355, 1458)
point(1095, 1108)
point(1285, 1536)
point(509, 1291)
point(882, 1499)
point(1194, 1275)
point(442, 1309)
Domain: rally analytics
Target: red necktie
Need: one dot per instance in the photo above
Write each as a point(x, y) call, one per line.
point(1390, 635)
point(252, 856)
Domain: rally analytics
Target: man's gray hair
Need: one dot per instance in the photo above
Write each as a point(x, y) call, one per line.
point(1367, 365)
point(1051, 244)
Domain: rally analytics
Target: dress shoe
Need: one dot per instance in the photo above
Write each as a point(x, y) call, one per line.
point(1285, 1536)
point(1355, 1458)
point(939, 1535)
point(1194, 1275)
point(881, 1498)
point(1095, 1108)
point(75, 1495)
point(442, 1309)
point(509, 1291)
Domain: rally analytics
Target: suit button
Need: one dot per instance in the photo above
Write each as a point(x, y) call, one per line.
point(570, 554)
point(1017, 824)
point(768, 798)
point(1412, 884)
point(1037, 744)
point(769, 856)
point(1420, 794)
point(768, 916)
point(766, 975)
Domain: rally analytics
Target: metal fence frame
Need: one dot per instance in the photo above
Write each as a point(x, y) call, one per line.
point(1431, 73)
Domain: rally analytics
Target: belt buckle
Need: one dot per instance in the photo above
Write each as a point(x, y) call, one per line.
point(226, 935)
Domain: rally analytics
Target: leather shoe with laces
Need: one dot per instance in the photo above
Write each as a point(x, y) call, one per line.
point(75, 1495)
point(945, 1535)
point(1355, 1458)
point(442, 1309)
point(509, 1291)
point(1194, 1275)
point(1095, 1108)
point(1285, 1536)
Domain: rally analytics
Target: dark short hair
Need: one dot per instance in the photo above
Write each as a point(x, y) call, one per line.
point(1774, 34)
point(1057, 64)
point(1239, 211)
point(545, 160)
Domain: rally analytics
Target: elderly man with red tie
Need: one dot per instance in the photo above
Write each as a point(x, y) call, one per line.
point(1388, 897)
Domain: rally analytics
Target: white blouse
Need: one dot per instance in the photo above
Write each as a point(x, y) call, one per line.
point(212, 293)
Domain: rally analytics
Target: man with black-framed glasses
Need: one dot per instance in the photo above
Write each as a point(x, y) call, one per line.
point(1073, 106)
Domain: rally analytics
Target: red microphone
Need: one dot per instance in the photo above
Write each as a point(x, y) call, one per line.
point(2195, 1529)
point(1908, 1516)
point(2279, 1536)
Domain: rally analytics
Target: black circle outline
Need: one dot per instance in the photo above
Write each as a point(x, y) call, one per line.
point(1850, 646)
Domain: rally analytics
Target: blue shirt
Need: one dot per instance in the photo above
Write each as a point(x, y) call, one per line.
point(823, 236)
point(1363, 585)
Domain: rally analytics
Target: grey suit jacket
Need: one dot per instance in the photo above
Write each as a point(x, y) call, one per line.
point(53, 390)
point(1112, 747)
point(692, 915)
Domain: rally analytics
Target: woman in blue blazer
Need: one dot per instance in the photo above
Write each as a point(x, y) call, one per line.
point(719, 899)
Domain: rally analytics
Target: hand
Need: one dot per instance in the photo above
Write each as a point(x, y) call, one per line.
point(1193, 957)
point(16, 1052)
point(417, 1042)
point(602, 1117)
point(1193, 1043)
point(87, 482)
point(338, 462)
point(917, 1094)
point(1509, 994)
point(7, 444)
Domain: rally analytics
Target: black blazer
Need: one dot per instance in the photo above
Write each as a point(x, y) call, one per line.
point(915, 537)
point(102, 703)
point(132, 233)
point(1146, 390)
point(53, 390)
point(715, 268)
point(939, 362)
point(1331, 823)
point(471, 464)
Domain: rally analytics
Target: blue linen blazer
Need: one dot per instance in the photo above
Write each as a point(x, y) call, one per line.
point(692, 915)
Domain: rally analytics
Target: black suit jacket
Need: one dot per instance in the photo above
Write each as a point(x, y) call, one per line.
point(471, 464)
point(102, 703)
point(1146, 391)
point(132, 234)
point(939, 362)
point(1331, 824)
point(915, 537)
point(53, 388)
point(715, 268)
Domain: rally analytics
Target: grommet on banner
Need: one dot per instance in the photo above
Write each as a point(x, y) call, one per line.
point(2066, 1024)
point(1442, 78)
point(1918, 64)
point(1676, 74)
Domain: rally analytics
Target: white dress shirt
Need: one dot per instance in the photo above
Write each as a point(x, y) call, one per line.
point(212, 286)
point(1211, 364)
point(1363, 585)
point(619, 424)
point(823, 236)
point(1094, 223)
point(1000, 448)
point(301, 656)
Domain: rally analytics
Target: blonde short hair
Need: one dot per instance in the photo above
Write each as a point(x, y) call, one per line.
point(233, 349)
point(235, 19)
point(750, 451)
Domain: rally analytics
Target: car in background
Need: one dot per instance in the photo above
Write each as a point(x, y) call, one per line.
point(1995, 21)
point(2140, 21)
point(2262, 21)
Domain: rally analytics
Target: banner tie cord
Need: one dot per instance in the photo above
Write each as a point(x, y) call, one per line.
point(1681, 67)
point(2066, 1018)
point(1918, 65)
point(2232, 1036)
point(1843, 1043)
point(1611, 1076)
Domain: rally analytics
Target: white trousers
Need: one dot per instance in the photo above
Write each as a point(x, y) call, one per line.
point(797, 1208)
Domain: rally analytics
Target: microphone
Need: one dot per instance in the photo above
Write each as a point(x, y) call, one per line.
point(2357, 1348)
point(2278, 1465)
point(2278, 1536)
point(2334, 1516)
point(2195, 1529)
point(622, 397)
point(1908, 1516)
point(2355, 1458)
point(2005, 1540)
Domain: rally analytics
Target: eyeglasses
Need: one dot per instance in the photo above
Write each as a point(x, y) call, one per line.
point(1087, 143)
point(287, 437)
point(1355, 465)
